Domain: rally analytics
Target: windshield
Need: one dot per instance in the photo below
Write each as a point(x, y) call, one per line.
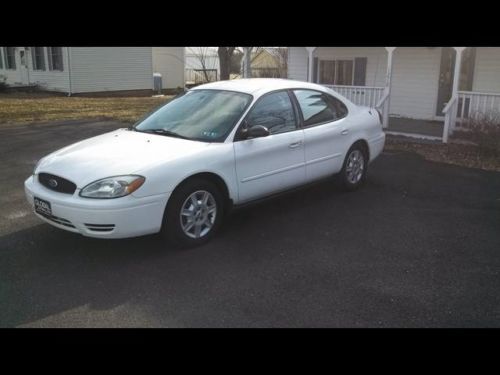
point(203, 115)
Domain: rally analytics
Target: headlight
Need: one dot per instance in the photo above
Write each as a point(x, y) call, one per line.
point(112, 187)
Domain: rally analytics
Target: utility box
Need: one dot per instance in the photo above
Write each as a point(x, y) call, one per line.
point(157, 82)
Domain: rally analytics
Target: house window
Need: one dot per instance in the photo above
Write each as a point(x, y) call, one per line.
point(343, 72)
point(38, 55)
point(10, 57)
point(336, 72)
point(55, 58)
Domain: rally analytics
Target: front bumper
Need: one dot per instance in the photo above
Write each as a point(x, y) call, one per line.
point(100, 218)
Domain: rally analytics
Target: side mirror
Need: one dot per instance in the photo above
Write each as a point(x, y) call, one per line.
point(257, 131)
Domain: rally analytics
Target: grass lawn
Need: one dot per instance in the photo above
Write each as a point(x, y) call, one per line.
point(39, 107)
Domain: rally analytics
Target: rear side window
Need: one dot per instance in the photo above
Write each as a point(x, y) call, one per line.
point(318, 108)
point(339, 108)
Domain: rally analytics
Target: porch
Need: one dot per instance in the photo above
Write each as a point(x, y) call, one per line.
point(421, 91)
point(426, 129)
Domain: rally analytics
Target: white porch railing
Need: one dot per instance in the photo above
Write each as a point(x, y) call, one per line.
point(471, 104)
point(467, 105)
point(360, 95)
point(370, 96)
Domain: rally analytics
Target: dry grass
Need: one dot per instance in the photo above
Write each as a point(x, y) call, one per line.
point(39, 107)
point(465, 155)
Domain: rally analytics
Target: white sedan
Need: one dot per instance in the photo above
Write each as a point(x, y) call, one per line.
point(181, 169)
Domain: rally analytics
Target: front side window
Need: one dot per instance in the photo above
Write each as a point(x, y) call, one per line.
point(10, 57)
point(1, 59)
point(275, 112)
point(38, 56)
point(318, 108)
point(203, 115)
point(55, 58)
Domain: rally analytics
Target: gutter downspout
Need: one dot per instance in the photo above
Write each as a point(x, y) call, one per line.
point(69, 70)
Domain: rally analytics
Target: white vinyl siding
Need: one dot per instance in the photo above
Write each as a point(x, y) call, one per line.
point(415, 77)
point(376, 60)
point(51, 80)
point(97, 69)
point(297, 63)
point(375, 64)
point(169, 62)
point(487, 70)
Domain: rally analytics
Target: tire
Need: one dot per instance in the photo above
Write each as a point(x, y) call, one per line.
point(353, 173)
point(177, 228)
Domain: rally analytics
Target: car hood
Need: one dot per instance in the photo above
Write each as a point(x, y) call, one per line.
point(120, 152)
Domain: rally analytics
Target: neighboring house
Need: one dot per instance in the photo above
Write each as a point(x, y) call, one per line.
point(78, 70)
point(423, 91)
point(169, 62)
point(202, 65)
point(269, 62)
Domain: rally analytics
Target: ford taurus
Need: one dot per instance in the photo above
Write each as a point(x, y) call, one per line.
point(179, 170)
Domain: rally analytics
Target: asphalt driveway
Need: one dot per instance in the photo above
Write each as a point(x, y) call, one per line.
point(418, 246)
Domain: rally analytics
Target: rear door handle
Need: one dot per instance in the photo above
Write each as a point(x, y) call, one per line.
point(344, 132)
point(295, 144)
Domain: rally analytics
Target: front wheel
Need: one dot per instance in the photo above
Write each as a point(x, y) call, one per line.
point(355, 166)
point(193, 214)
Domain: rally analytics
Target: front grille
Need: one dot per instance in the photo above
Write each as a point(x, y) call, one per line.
point(57, 220)
point(100, 227)
point(56, 183)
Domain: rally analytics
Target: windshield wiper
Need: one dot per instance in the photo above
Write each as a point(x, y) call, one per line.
point(164, 132)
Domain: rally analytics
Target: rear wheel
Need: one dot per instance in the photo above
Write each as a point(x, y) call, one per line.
point(355, 166)
point(193, 214)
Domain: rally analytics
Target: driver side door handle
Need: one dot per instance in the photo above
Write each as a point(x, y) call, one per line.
point(344, 132)
point(295, 144)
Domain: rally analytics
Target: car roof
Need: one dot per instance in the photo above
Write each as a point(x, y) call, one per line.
point(259, 86)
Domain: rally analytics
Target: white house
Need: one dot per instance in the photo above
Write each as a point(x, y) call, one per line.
point(202, 64)
point(76, 70)
point(169, 62)
point(421, 90)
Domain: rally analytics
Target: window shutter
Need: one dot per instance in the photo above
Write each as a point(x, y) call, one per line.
point(360, 71)
point(315, 70)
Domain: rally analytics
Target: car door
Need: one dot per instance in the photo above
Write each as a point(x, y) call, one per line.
point(325, 124)
point(275, 162)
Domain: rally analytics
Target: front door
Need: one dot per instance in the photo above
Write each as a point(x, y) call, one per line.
point(274, 163)
point(23, 68)
point(446, 71)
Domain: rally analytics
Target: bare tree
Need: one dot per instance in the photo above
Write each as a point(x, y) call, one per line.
point(225, 57)
point(204, 55)
point(281, 55)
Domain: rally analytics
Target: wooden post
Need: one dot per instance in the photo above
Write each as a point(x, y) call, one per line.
point(388, 79)
point(310, 62)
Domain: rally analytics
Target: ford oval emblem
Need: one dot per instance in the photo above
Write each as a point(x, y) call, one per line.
point(53, 183)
